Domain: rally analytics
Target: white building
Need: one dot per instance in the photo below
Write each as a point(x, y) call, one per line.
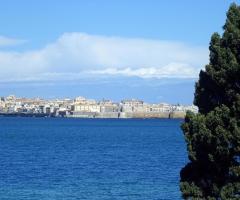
point(131, 105)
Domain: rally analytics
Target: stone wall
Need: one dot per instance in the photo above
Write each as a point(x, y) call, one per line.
point(165, 115)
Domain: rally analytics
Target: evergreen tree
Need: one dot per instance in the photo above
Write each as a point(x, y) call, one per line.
point(213, 135)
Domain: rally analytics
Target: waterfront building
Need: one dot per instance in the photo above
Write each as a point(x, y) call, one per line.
point(131, 105)
point(107, 106)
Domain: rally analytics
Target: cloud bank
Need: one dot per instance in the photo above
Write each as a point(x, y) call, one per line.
point(7, 41)
point(79, 55)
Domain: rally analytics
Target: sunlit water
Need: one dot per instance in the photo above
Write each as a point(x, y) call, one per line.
point(93, 159)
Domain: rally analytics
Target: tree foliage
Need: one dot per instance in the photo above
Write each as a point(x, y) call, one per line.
point(213, 135)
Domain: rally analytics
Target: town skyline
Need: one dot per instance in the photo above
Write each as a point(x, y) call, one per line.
point(81, 107)
point(73, 98)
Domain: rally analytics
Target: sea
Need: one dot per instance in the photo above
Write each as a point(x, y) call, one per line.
point(90, 159)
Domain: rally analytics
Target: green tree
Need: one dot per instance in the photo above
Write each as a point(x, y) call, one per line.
point(213, 135)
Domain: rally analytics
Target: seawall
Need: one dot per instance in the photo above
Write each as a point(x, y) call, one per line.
point(125, 115)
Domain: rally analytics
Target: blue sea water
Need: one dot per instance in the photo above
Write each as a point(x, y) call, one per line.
point(93, 159)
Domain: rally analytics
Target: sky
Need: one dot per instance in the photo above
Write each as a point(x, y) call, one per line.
point(144, 49)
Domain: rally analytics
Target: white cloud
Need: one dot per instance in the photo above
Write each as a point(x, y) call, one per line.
point(172, 70)
point(76, 55)
point(7, 41)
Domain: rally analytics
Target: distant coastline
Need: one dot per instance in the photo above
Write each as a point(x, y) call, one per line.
point(81, 107)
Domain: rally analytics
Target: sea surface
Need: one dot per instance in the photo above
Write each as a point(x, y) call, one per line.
point(93, 159)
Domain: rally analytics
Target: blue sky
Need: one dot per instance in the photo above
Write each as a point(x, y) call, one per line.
point(146, 49)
